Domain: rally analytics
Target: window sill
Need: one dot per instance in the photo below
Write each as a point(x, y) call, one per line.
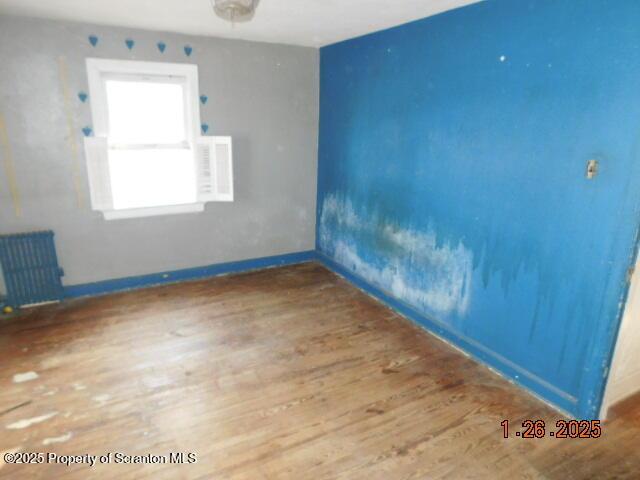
point(153, 211)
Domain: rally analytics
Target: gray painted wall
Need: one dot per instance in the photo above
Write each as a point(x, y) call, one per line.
point(264, 95)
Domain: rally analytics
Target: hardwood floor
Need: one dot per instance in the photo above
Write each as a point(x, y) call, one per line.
point(287, 373)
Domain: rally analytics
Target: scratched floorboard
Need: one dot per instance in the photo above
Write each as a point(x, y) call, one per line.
point(288, 373)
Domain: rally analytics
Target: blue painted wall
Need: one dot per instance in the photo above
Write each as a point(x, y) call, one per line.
point(452, 165)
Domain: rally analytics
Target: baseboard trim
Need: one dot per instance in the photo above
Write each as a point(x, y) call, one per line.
point(556, 398)
point(143, 281)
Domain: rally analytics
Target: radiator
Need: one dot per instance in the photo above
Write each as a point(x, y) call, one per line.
point(30, 267)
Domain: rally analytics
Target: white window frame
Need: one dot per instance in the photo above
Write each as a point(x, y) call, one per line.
point(100, 70)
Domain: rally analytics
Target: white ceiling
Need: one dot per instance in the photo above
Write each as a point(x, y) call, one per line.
point(297, 22)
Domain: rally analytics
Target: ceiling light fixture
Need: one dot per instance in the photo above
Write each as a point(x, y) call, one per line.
point(235, 10)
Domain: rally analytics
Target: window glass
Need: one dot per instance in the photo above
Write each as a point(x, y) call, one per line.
point(145, 112)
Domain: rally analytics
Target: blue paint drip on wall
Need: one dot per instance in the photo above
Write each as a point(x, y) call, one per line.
point(452, 177)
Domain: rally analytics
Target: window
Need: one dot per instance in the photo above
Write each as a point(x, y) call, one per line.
point(147, 157)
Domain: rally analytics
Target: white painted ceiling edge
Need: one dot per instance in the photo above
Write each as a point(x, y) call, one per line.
point(311, 23)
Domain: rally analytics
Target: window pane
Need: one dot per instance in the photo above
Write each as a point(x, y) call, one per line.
point(145, 112)
point(152, 178)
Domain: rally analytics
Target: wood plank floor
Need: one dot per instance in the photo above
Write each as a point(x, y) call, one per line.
point(287, 373)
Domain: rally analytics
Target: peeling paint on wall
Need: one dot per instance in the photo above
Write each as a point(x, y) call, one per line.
point(430, 277)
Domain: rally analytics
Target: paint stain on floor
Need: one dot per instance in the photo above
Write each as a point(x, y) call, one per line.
point(27, 422)
point(61, 439)
point(24, 377)
point(101, 399)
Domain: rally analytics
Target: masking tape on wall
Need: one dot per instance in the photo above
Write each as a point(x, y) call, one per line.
point(73, 145)
point(9, 167)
